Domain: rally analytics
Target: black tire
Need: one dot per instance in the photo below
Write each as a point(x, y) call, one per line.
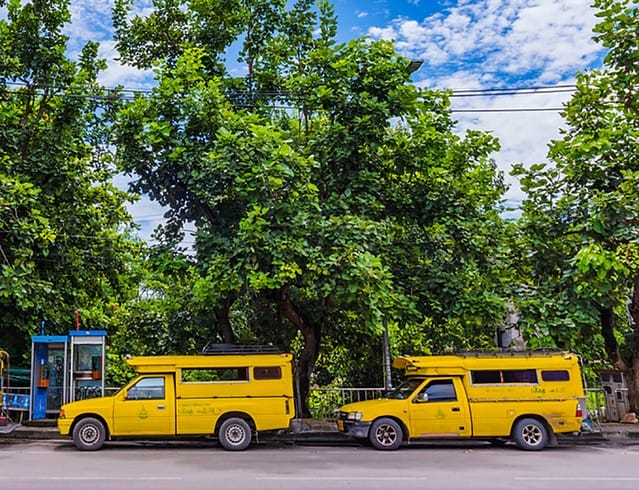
point(385, 434)
point(89, 434)
point(235, 434)
point(530, 435)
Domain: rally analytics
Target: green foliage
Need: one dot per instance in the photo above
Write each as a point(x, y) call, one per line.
point(63, 242)
point(165, 317)
point(118, 372)
point(324, 402)
point(580, 228)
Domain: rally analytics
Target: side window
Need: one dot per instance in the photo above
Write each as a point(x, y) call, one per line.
point(147, 389)
point(559, 375)
point(439, 391)
point(486, 377)
point(267, 372)
point(213, 375)
point(501, 376)
point(520, 376)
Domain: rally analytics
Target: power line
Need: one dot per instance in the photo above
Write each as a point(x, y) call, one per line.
point(488, 93)
point(130, 94)
point(514, 109)
point(535, 88)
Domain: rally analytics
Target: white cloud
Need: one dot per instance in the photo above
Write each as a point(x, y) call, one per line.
point(479, 44)
point(118, 74)
point(524, 135)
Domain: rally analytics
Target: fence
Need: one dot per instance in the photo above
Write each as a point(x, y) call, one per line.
point(15, 403)
point(325, 402)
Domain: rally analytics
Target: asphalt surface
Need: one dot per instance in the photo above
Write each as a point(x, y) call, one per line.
point(321, 432)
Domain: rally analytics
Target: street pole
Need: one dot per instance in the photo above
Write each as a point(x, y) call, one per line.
point(388, 382)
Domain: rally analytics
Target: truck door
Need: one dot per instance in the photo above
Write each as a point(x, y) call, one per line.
point(440, 409)
point(146, 408)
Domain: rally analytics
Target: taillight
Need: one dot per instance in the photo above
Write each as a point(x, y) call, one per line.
point(579, 412)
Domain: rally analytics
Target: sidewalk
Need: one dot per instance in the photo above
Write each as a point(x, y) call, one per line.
point(322, 432)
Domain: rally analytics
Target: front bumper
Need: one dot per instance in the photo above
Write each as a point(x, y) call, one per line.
point(64, 426)
point(358, 430)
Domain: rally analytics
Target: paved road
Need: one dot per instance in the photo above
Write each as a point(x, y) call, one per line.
point(58, 465)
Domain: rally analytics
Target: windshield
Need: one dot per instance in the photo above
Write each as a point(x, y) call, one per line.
point(404, 390)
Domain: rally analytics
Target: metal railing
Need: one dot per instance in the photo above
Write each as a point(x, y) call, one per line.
point(325, 402)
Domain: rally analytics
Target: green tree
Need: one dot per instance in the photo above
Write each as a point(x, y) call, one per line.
point(581, 222)
point(331, 198)
point(63, 245)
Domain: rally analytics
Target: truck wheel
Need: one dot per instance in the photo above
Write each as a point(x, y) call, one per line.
point(235, 434)
point(530, 435)
point(385, 434)
point(89, 434)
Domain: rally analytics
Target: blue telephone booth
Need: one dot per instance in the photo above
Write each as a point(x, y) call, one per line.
point(48, 375)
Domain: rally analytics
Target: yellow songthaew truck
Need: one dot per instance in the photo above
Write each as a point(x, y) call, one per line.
point(528, 397)
point(226, 394)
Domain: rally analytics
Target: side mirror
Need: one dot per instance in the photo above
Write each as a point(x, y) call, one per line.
point(421, 397)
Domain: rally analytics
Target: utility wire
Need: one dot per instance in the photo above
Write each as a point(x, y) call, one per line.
point(131, 94)
point(514, 109)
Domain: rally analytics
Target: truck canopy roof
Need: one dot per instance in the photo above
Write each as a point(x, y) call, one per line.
point(460, 364)
point(158, 364)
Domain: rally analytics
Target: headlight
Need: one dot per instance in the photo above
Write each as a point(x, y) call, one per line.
point(61, 415)
point(354, 416)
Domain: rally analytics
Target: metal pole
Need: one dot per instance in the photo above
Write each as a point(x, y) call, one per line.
point(388, 382)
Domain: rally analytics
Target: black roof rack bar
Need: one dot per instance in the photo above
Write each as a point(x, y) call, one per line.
point(513, 353)
point(227, 349)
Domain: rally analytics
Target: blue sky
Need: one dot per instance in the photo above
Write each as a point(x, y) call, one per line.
point(464, 44)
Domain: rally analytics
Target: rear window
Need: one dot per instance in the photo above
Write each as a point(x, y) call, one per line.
point(502, 376)
point(558, 375)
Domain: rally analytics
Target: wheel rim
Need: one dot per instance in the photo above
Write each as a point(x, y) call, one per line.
point(235, 434)
point(89, 434)
point(532, 435)
point(386, 435)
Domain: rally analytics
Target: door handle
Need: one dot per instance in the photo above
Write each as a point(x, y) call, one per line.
point(161, 407)
point(455, 409)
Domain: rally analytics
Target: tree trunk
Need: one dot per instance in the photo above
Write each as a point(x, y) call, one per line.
point(632, 380)
point(222, 316)
point(632, 364)
point(607, 319)
point(310, 352)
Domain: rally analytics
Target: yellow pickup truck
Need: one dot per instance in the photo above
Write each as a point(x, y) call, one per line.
point(229, 396)
point(525, 397)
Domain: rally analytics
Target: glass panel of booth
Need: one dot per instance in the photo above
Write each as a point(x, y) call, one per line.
point(88, 357)
point(87, 364)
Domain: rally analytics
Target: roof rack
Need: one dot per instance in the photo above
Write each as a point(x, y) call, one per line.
point(227, 349)
point(507, 352)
